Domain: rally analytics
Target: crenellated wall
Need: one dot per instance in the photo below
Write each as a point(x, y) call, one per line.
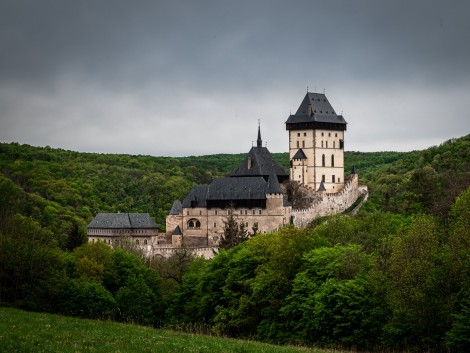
point(329, 203)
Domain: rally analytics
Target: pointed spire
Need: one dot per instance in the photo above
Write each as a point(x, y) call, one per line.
point(259, 142)
point(353, 169)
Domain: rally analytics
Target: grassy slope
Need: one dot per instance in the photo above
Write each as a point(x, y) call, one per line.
point(22, 331)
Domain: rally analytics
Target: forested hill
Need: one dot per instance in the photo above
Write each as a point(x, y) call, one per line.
point(63, 190)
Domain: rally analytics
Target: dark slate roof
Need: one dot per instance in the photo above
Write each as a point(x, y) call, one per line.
point(122, 220)
point(176, 208)
point(233, 188)
point(322, 111)
point(321, 187)
point(262, 164)
point(247, 188)
point(177, 231)
point(273, 186)
point(299, 155)
point(197, 194)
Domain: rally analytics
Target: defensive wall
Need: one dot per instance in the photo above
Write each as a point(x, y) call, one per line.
point(329, 203)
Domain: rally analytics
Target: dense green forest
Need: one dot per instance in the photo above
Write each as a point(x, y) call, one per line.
point(397, 276)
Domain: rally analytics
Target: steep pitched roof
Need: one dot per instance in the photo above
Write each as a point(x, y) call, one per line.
point(233, 188)
point(320, 111)
point(176, 208)
point(259, 162)
point(177, 231)
point(273, 186)
point(321, 187)
point(247, 188)
point(196, 197)
point(299, 155)
point(122, 220)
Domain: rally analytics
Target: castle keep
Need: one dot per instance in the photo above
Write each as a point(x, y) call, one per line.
point(316, 144)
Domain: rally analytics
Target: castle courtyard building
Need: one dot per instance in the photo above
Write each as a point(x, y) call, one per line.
point(252, 193)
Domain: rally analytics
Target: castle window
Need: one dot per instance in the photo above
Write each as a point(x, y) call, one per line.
point(322, 134)
point(332, 178)
point(298, 145)
point(334, 144)
point(215, 211)
point(303, 144)
point(323, 178)
point(326, 144)
point(329, 134)
point(323, 160)
point(341, 144)
point(145, 241)
point(336, 134)
point(137, 241)
point(254, 211)
point(322, 144)
point(332, 160)
point(305, 134)
point(200, 213)
point(339, 180)
point(298, 134)
point(194, 224)
point(215, 224)
point(259, 211)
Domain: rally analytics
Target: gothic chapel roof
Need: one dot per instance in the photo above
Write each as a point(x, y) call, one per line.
point(260, 162)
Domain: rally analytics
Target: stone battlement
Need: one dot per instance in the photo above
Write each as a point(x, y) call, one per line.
point(328, 203)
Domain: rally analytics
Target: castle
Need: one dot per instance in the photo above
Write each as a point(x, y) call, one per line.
point(254, 191)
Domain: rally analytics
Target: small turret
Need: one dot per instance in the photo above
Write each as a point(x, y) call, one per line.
point(353, 171)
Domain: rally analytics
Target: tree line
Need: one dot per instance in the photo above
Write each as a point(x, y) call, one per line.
point(394, 277)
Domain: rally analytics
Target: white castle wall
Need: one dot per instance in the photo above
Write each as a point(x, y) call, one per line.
point(167, 251)
point(330, 203)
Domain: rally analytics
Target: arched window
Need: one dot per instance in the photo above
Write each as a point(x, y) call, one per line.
point(323, 160)
point(332, 160)
point(194, 224)
point(137, 241)
point(145, 241)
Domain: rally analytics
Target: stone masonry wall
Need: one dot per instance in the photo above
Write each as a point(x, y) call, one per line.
point(330, 203)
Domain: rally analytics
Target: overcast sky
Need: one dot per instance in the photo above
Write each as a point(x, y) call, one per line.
point(179, 78)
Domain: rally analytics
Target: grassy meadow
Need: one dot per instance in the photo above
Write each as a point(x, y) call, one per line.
point(22, 331)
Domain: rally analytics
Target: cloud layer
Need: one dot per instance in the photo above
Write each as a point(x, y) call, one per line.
point(194, 77)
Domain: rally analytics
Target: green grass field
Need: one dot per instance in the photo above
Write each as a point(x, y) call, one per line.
point(22, 331)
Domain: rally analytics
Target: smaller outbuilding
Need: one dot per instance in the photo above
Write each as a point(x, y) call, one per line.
point(138, 228)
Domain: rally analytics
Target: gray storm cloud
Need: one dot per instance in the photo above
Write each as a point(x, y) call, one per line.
point(193, 77)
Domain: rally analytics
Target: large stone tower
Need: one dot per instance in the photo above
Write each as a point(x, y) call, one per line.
point(316, 144)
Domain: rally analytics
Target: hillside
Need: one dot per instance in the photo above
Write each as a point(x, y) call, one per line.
point(396, 277)
point(32, 332)
point(61, 189)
